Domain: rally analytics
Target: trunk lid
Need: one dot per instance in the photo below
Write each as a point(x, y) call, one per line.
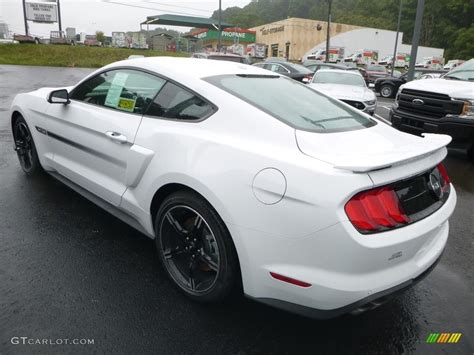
point(371, 149)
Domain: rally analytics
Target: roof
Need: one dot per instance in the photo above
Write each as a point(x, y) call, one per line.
point(190, 67)
point(218, 54)
point(185, 21)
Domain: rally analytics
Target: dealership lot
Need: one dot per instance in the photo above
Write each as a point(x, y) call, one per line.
point(70, 270)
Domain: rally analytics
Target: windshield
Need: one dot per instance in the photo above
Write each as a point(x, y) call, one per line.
point(327, 77)
point(372, 67)
point(463, 72)
point(293, 103)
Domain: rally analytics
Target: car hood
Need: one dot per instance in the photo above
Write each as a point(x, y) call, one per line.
point(345, 92)
point(369, 149)
point(454, 88)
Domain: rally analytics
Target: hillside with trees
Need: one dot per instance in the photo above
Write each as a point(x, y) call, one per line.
point(446, 23)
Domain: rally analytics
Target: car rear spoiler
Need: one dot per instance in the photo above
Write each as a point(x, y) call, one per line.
point(429, 145)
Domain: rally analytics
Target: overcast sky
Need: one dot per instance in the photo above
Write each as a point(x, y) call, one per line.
point(111, 15)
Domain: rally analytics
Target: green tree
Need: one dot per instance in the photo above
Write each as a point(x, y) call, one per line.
point(446, 23)
point(99, 35)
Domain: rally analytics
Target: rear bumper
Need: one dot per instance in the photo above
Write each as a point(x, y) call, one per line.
point(368, 303)
point(347, 271)
point(461, 130)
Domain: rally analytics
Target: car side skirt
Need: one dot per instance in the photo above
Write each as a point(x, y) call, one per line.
point(114, 211)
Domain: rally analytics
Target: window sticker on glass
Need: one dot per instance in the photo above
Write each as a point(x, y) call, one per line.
point(126, 104)
point(115, 90)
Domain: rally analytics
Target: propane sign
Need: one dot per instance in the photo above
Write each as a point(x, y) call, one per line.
point(42, 12)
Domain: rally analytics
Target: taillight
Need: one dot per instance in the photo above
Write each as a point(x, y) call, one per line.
point(444, 175)
point(380, 209)
point(376, 210)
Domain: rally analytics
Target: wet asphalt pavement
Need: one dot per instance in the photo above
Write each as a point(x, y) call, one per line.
point(70, 270)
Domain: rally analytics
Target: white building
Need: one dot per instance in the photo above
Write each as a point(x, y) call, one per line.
point(376, 39)
point(4, 30)
point(70, 32)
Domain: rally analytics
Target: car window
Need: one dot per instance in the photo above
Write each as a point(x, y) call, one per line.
point(330, 77)
point(417, 74)
point(174, 102)
point(277, 68)
point(120, 89)
point(375, 67)
point(296, 105)
point(299, 68)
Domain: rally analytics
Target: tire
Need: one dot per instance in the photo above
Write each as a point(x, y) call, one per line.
point(25, 147)
point(195, 248)
point(387, 91)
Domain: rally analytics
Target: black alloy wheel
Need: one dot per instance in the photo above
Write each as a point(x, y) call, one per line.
point(25, 147)
point(195, 247)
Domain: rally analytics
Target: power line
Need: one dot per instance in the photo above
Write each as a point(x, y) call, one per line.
point(148, 8)
point(177, 6)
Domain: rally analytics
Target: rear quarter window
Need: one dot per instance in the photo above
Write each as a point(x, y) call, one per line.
point(293, 103)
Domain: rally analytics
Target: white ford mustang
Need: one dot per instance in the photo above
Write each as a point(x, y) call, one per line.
point(246, 179)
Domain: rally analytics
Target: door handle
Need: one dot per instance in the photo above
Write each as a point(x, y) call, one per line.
point(116, 136)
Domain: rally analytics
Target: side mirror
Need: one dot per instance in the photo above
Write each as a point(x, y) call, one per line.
point(59, 97)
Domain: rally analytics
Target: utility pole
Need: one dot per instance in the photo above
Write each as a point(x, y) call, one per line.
point(220, 29)
point(416, 38)
point(24, 17)
point(396, 38)
point(329, 29)
point(59, 19)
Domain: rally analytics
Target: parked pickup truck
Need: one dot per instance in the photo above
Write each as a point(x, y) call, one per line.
point(59, 37)
point(26, 39)
point(444, 105)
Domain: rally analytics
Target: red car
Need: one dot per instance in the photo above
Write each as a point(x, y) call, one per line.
point(372, 72)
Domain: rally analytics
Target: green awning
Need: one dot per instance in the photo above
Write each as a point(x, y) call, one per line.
point(185, 21)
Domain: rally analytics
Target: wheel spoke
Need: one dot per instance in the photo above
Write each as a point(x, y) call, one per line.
point(23, 131)
point(171, 253)
point(197, 223)
point(206, 259)
point(192, 281)
point(175, 224)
